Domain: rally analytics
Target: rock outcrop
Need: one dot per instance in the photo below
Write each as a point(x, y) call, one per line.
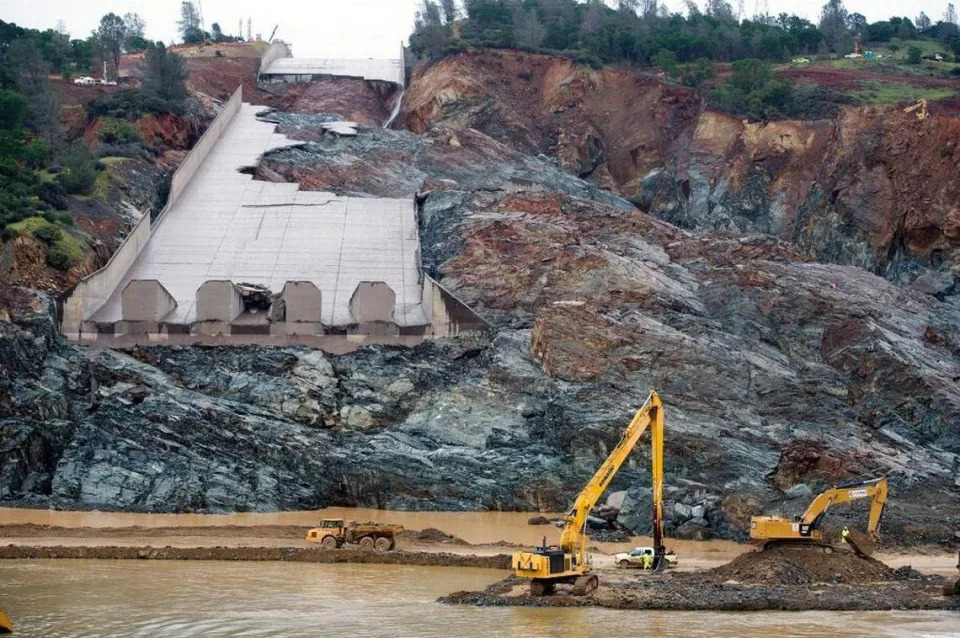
point(875, 188)
point(777, 371)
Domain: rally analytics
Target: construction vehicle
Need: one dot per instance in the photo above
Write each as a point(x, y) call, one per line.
point(6, 627)
point(806, 529)
point(634, 558)
point(335, 532)
point(921, 109)
point(569, 562)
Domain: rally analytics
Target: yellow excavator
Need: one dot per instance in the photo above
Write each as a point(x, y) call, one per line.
point(6, 627)
point(806, 528)
point(569, 562)
point(920, 108)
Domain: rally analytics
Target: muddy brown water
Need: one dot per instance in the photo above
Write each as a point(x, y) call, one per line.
point(54, 598)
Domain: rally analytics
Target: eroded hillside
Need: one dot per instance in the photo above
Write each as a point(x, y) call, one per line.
point(874, 188)
point(777, 371)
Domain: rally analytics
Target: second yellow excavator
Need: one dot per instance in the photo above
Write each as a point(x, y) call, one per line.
point(569, 562)
point(806, 528)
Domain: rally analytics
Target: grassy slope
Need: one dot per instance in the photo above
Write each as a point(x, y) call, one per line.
point(72, 240)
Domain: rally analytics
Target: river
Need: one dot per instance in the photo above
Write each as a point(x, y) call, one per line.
point(159, 598)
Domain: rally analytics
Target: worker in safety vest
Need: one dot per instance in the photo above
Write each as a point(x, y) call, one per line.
point(844, 534)
point(647, 561)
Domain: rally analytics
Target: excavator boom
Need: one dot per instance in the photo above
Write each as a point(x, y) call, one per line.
point(807, 527)
point(569, 561)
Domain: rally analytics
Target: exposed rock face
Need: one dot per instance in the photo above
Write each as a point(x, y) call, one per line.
point(776, 370)
point(874, 189)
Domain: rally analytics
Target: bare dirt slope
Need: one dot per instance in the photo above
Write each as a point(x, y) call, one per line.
point(874, 188)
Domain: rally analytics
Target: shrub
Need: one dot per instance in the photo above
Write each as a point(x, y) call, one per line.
point(59, 258)
point(164, 75)
point(65, 219)
point(914, 55)
point(114, 131)
point(52, 193)
point(129, 104)
point(79, 170)
point(700, 72)
point(665, 60)
point(49, 217)
point(7, 233)
point(48, 234)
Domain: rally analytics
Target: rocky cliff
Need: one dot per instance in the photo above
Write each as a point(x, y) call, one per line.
point(874, 188)
point(780, 374)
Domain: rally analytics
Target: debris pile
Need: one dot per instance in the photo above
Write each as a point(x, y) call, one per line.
point(792, 565)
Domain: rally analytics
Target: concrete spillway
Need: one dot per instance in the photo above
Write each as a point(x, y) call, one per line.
point(278, 63)
point(338, 268)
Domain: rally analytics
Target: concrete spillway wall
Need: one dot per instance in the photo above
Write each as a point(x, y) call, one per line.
point(278, 64)
point(232, 259)
point(93, 290)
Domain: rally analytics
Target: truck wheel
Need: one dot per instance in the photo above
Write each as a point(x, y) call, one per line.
point(366, 543)
point(383, 544)
point(328, 542)
point(624, 564)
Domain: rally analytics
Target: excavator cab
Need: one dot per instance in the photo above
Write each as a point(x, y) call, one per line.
point(807, 528)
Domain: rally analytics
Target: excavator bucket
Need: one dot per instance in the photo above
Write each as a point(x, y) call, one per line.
point(6, 627)
point(861, 543)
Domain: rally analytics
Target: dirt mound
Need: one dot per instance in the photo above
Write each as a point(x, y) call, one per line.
point(295, 554)
point(800, 566)
point(431, 535)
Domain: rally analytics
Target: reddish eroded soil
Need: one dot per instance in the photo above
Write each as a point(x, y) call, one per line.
point(848, 79)
point(874, 176)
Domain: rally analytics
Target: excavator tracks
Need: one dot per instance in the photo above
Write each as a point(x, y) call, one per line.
point(586, 584)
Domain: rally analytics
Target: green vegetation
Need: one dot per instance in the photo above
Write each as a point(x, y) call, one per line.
point(595, 33)
point(914, 55)
point(874, 92)
point(130, 104)
point(79, 172)
point(66, 245)
point(165, 76)
point(635, 32)
point(114, 131)
point(755, 92)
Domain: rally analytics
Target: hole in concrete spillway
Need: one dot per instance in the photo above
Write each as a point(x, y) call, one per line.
point(256, 298)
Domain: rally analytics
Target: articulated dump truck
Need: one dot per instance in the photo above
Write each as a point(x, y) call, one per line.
point(335, 532)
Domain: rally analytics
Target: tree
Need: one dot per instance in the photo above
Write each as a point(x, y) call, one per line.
point(833, 24)
point(914, 55)
point(950, 16)
point(189, 23)
point(429, 14)
point(164, 75)
point(31, 80)
point(720, 10)
point(216, 32)
point(79, 171)
point(449, 8)
point(14, 110)
point(110, 35)
point(923, 21)
point(665, 60)
point(527, 28)
point(857, 25)
point(135, 25)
